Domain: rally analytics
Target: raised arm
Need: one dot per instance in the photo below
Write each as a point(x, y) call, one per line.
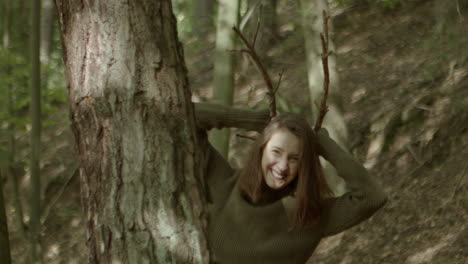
point(210, 116)
point(218, 172)
point(364, 197)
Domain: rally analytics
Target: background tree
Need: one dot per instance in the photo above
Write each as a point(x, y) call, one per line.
point(12, 78)
point(35, 108)
point(312, 24)
point(223, 74)
point(4, 240)
point(269, 36)
point(203, 17)
point(134, 128)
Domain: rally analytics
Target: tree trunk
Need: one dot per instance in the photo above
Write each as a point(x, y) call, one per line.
point(10, 171)
point(47, 30)
point(5, 257)
point(268, 35)
point(203, 17)
point(223, 79)
point(35, 108)
point(134, 128)
point(312, 23)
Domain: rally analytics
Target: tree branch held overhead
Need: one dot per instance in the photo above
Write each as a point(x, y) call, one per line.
point(250, 49)
point(326, 73)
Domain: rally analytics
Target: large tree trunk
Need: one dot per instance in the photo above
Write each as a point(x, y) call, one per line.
point(135, 130)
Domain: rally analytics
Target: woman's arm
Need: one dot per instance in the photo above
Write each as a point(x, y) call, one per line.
point(217, 169)
point(364, 197)
point(210, 116)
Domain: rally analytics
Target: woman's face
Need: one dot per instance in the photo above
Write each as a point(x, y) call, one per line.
point(280, 159)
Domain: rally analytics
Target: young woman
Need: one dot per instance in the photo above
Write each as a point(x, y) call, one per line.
point(278, 207)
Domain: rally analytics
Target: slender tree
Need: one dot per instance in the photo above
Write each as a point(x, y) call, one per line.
point(268, 35)
point(203, 16)
point(223, 79)
point(35, 109)
point(4, 240)
point(10, 171)
point(135, 132)
point(47, 30)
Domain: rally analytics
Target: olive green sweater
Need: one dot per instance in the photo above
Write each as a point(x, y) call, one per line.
point(240, 232)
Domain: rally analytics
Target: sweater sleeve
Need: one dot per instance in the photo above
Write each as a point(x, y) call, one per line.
point(210, 116)
point(364, 197)
point(217, 170)
point(218, 173)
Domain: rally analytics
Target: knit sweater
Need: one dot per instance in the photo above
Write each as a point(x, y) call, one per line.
point(241, 232)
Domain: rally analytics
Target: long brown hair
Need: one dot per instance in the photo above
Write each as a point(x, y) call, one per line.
point(309, 187)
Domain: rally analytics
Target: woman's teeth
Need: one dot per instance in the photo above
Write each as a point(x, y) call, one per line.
point(277, 176)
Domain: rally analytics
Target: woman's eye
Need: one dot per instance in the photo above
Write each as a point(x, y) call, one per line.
point(295, 159)
point(275, 151)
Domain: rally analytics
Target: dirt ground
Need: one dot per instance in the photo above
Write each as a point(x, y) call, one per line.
point(404, 87)
point(405, 79)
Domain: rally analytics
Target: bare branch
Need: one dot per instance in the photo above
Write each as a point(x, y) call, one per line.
point(266, 76)
point(258, 26)
point(279, 80)
point(246, 137)
point(326, 73)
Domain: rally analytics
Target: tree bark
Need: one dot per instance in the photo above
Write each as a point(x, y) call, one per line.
point(4, 240)
point(135, 132)
point(35, 109)
point(223, 76)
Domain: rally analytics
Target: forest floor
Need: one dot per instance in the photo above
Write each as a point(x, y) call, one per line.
point(404, 88)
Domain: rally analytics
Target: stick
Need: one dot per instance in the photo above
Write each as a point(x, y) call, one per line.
point(54, 200)
point(251, 51)
point(326, 73)
point(246, 137)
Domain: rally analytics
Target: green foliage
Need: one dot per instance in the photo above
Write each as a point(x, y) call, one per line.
point(15, 80)
point(183, 13)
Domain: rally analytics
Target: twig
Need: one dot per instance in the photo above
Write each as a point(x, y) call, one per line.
point(248, 15)
point(415, 156)
point(326, 73)
point(246, 137)
point(258, 27)
point(459, 181)
point(54, 200)
point(280, 76)
point(251, 51)
point(458, 11)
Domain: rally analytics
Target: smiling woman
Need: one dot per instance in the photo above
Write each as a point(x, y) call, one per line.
point(280, 159)
point(290, 165)
point(278, 207)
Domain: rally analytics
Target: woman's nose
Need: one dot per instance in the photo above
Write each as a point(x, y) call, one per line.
point(283, 165)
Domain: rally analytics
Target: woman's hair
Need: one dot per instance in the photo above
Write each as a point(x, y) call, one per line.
point(309, 187)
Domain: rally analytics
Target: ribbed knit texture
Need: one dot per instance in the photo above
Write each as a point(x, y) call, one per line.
point(240, 232)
